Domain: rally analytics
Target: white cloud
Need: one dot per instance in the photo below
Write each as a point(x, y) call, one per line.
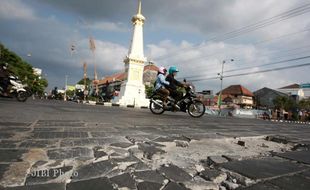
point(16, 9)
point(108, 56)
point(206, 62)
point(108, 26)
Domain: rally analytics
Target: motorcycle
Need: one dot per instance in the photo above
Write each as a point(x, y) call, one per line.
point(189, 103)
point(17, 89)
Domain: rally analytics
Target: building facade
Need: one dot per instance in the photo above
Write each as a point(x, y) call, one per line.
point(112, 83)
point(264, 98)
point(237, 95)
point(297, 91)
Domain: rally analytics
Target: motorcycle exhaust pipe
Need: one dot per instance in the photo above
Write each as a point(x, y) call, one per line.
point(158, 104)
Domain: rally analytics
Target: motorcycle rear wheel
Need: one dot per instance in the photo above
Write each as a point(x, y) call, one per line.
point(156, 109)
point(196, 109)
point(22, 96)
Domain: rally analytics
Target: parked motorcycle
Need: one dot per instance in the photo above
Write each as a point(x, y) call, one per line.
point(188, 103)
point(17, 89)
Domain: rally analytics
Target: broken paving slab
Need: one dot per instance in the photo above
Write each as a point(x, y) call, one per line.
point(11, 155)
point(213, 160)
point(172, 138)
point(124, 180)
point(98, 152)
point(174, 173)
point(260, 186)
point(149, 150)
point(292, 182)
point(280, 139)
point(130, 158)
point(174, 186)
point(263, 168)
point(60, 123)
point(146, 185)
point(9, 144)
point(93, 170)
point(3, 169)
point(154, 144)
point(38, 144)
point(6, 135)
point(213, 175)
point(91, 184)
point(140, 166)
point(121, 145)
point(45, 176)
point(60, 154)
point(300, 156)
point(150, 176)
point(59, 135)
point(199, 183)
point(50, 186)
point(306, 174)
point(14, 124)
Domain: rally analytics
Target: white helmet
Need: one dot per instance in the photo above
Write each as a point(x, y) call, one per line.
point(162, 70)
point(5, 66)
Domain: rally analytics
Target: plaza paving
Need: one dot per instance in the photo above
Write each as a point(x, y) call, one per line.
point(63, 145)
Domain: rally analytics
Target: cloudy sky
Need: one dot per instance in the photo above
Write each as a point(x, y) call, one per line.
point(187, 34)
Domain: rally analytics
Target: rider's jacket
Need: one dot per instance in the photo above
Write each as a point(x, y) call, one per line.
point(161, 81)
point(173, 82)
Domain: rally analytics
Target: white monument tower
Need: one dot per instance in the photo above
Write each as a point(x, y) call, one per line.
point(133, 90)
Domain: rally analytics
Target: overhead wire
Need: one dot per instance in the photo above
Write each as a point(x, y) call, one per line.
point(254, 72)
point(260, 24)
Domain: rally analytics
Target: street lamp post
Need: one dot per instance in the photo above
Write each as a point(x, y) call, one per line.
point(221, 78)
point(65, 97)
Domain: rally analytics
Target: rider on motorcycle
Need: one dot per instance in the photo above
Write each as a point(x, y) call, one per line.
point(161, 83)
point(172, 87)
point(4, 78)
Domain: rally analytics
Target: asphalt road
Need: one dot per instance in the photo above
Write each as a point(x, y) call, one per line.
point(64, 145)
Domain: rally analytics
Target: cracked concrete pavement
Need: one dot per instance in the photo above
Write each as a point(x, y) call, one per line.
point(63, 145)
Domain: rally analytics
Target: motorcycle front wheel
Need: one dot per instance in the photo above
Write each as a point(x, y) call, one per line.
point(22, 96)
point(196, 109)
point(156, 106)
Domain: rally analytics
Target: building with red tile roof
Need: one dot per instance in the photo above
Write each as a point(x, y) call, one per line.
point(238, 95)
point(114, 81)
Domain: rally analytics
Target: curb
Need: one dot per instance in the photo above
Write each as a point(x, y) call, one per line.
point(289, 121)
point(109, 104)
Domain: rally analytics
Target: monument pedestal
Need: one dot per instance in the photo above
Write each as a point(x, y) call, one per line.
point(132, 94)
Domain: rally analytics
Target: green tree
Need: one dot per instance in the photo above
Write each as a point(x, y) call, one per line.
point(304, 104)
point(283, 102)
point(23, 70)
point(149, 90)
point(88, 81)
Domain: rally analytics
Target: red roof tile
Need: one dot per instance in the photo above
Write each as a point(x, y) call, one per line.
point(291, 86)
point(151, 67)
point(237, 90)
point(112, 78)
point(121, 76)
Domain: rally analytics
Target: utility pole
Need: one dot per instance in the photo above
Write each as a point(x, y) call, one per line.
point(66, 83)
point(85, 77)
point(221, 78)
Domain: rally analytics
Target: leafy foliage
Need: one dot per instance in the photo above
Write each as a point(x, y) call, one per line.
point(149, 90)
point(88, 82)
point(286, 103)
point(304, 104)
point(23, 70)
